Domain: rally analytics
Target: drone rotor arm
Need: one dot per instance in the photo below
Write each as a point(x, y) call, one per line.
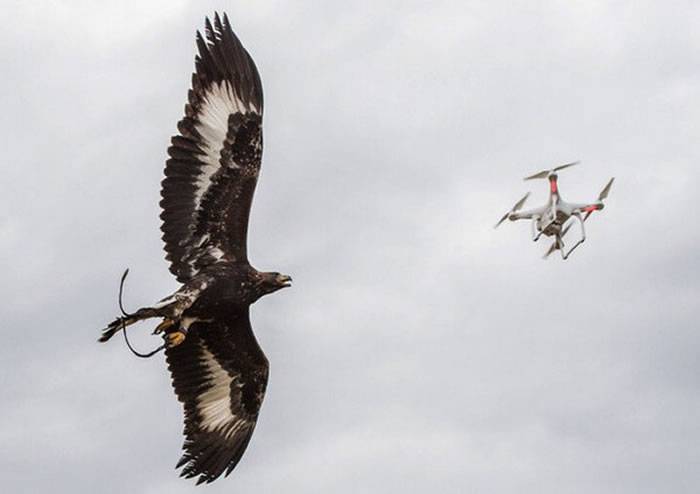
point(596, 206)
point(528, 214)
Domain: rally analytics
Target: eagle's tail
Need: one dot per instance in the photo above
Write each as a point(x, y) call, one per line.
point(122, 322)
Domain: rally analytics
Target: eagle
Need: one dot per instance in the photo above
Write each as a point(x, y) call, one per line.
point(218, 370)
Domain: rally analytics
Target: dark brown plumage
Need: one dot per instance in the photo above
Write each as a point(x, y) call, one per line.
point(219, 372)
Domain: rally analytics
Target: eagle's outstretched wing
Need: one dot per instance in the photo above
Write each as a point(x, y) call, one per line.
point(219, 373)
point(215, 160)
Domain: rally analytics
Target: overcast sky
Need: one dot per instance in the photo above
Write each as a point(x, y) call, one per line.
point(419, 349)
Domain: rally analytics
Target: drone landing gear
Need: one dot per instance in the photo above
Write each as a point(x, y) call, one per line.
point(536, 233)
point(566, 255)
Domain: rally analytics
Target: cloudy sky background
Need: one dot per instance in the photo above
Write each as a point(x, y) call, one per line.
point(419, 350)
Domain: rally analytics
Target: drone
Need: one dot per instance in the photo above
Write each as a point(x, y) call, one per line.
point(555, 218)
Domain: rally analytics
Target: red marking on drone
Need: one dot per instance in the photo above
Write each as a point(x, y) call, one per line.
point(590, 209)
point(553, 185)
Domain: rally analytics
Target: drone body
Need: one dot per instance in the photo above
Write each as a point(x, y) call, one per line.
point(552, 219)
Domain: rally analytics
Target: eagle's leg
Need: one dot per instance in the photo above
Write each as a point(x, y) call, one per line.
point(164, 325)
point(174, 336)
point(177, 335)
point(122, 322)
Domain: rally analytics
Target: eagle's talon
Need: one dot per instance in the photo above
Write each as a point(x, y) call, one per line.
point(167, 323)
point(174, 339)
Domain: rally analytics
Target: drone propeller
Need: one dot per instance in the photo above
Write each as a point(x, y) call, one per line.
point(546, 173)
point(517, 206)
point(552, 248)
point(603, 195)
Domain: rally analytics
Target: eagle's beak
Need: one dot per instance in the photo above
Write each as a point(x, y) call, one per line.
point(284, 280)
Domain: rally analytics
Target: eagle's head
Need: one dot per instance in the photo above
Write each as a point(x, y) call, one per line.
point(271, 282)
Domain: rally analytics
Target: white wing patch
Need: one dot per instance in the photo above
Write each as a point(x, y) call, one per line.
point(214, 405)
point(218, 102)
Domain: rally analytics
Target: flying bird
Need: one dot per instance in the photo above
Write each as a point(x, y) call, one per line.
point(218, 370)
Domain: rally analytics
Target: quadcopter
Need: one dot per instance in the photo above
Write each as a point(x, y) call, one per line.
point(552, 219)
